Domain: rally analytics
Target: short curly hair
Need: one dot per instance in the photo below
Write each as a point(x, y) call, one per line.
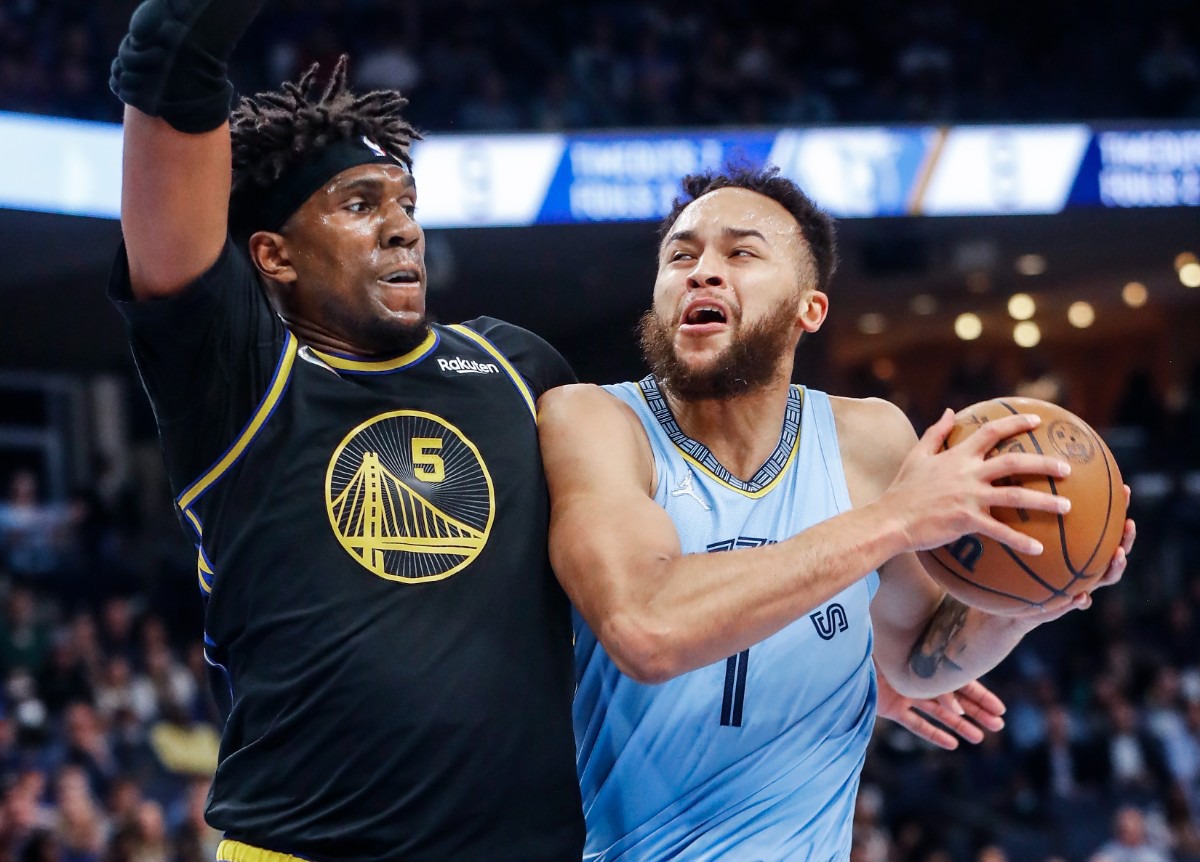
point(275, 130)
point(816, 226)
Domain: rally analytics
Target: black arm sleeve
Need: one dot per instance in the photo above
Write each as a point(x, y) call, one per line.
point(173, 62)
point(206, 357)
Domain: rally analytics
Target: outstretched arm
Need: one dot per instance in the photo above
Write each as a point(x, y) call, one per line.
point(659, 612)
point(176, 165)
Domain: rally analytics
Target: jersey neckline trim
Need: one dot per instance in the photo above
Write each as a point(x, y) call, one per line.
point(698, 454)
point(355, 365)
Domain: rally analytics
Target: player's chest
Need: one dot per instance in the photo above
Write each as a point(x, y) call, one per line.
point(413, 444)
point(460, 400)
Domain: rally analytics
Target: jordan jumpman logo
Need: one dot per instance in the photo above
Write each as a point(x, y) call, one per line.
point(685, 489)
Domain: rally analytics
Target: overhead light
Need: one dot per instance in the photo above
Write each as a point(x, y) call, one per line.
point(968, 326)
point(1021, 306)
point(1135, 294)
point(1081, 315)
point(872, 323)
point(1027, 334)
point(1030, 264)
point(1183, 259)
point(923, 304)
point(1189, 274)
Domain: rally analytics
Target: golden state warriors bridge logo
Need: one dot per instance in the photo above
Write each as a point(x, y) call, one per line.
point(409, 497)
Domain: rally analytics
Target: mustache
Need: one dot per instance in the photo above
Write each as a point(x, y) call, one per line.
point(748, 364)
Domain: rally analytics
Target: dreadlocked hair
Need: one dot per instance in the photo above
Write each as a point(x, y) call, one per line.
point(275, 130)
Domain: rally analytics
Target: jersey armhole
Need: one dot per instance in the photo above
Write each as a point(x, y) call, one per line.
point(514, 375)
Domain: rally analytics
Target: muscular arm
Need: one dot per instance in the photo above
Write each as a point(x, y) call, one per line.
point(657, 611)
point(660, 613)
point(174, 202)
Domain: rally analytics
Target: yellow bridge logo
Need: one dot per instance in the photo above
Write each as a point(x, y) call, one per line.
point(409, 497)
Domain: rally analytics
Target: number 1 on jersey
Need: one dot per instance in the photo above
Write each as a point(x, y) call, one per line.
point(736, 666)
point(735, 689)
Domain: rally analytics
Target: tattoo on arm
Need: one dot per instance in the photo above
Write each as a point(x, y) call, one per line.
point(930, 653)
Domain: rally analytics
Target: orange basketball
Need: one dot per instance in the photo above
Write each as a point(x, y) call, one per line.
point(1077, 546)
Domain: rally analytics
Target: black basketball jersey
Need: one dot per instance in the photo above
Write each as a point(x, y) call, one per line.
point(385, 629)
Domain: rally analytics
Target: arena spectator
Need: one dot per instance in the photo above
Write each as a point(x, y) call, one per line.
point(1130, 842)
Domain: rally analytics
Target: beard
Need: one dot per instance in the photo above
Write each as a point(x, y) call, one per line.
point(747, 365)
point(390, 338)
point(374, 335)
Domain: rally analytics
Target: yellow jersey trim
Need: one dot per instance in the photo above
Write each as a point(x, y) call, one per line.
point(194, 521)
point(265, 408)
point(369, 366)
point(236, 851)
point(517, 380)
point(204, 571)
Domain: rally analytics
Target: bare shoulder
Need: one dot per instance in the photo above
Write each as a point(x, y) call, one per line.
point(874, 436)
point(582, 403)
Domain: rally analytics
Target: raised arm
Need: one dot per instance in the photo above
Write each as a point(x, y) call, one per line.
point(171, 73)
point(174, 203)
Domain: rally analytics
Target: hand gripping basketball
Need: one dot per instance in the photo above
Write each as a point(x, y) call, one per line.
point(944, 493)
point(1084, 548)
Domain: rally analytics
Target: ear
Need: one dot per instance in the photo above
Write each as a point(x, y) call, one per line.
point(272, 256)
point(814, 305)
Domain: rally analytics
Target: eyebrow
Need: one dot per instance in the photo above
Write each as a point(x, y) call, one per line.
point(368, 184)
point(728, 233)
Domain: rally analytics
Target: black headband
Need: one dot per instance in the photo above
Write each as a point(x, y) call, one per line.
point(297, 183)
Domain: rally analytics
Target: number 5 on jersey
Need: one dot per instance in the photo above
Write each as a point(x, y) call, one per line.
point(428, 466)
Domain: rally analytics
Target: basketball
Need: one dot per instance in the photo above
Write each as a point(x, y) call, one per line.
point(1077, 545)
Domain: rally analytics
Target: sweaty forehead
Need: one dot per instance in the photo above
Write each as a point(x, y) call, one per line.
point(740, 209)
point(374, 173)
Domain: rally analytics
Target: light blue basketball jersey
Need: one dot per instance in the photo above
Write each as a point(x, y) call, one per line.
point(753, 758)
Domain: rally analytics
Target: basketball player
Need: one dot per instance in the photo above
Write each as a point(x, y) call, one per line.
point(364, 488)
point(736, 547)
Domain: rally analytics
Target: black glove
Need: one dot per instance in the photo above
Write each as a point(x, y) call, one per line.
point(173, 63)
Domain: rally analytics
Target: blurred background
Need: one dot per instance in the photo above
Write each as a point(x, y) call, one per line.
point(1018, 194)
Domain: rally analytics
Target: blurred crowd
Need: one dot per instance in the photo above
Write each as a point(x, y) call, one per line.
point(108, 735)
point(488, 65)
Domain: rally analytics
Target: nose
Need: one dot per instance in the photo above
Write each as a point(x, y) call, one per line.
point(706, 273)
point(399, 229)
